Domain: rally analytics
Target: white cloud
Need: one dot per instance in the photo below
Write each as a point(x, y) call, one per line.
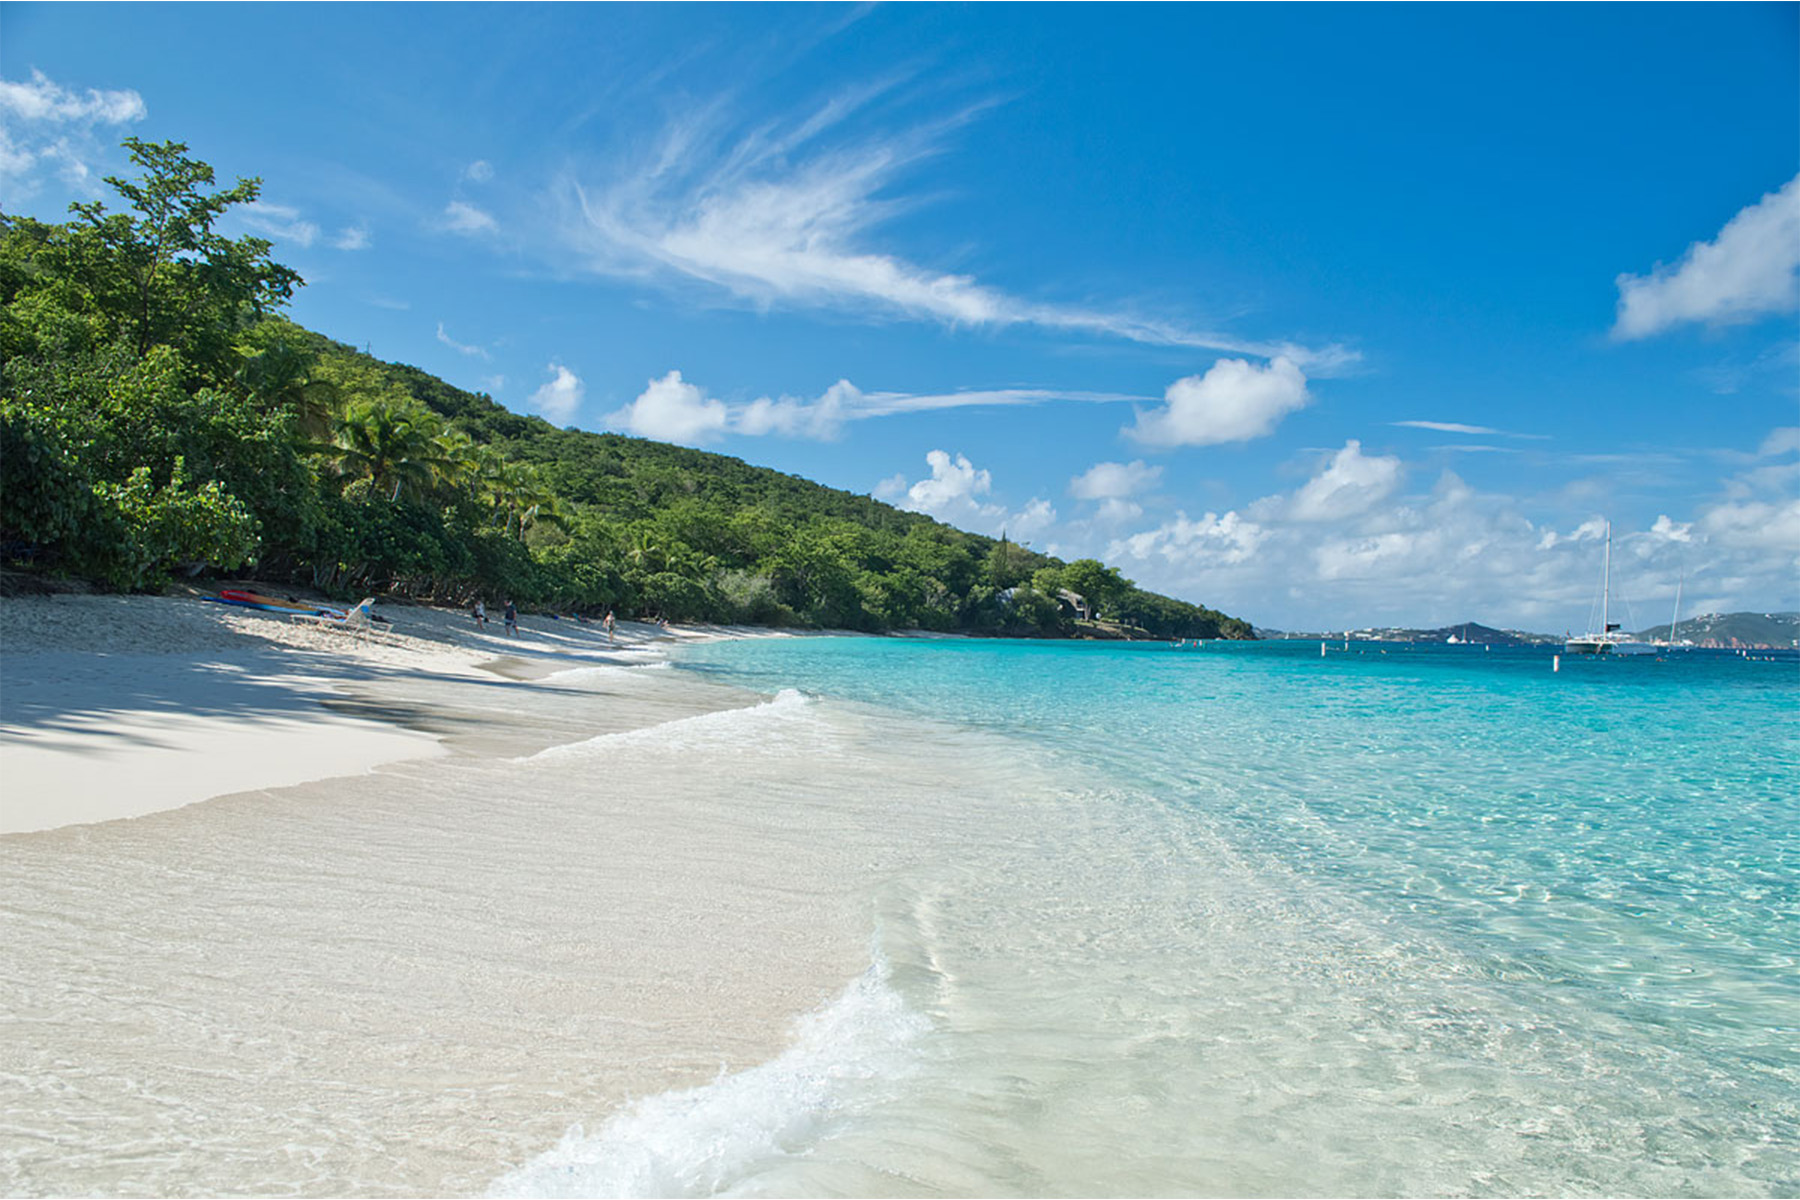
point(790, 216)
point(460, 348)
point(1671, 530)
point(1112, 481)
point(1750, 269)
point(1350, 485)
point(1444, 427)
point(672, 410)
point(42, 100)
point(892, 488)
point(1764, 526)
point(353, 237)
point(464, 218)
point(561, 396)
point(1233, 402)
point(1394, 553)
point(1456, 554)
point(479, 171)
point(279, 222)
point(953, 481)
point(887, 404)
point(1116, 510)
point(1591, 530)
point(1782, 440)
point(43, 124)
point(822, 418)
point(1030, 521)
point(1209, 542)
point(953, 495)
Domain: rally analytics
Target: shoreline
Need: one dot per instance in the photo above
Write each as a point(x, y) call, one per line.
point(114, 707)
point(446, 894)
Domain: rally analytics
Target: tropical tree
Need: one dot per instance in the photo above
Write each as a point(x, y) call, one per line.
point(281, 376)
point(393, 445)
point(161, 271)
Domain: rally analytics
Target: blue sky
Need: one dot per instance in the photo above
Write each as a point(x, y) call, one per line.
point(1327, 316)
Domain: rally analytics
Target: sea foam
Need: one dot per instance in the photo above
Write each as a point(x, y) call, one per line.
point(703, 1140)
point(731, 726)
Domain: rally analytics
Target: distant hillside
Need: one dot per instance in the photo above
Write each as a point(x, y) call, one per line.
point(159, 418)
point(802, 552)
point(1469, 632)
point(1744, 630)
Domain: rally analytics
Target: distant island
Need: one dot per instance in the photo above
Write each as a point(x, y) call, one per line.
point(1722, 631)
point(159, 419)
point(1733, 631)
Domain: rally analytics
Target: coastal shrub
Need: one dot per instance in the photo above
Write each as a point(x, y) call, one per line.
point(153, 529)
point(1031, 613)
point(750, 599)
point(46, 492)
point(676, 597)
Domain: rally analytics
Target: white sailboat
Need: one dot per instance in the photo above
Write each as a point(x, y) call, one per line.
point(1674, 620)
point(1610, 640)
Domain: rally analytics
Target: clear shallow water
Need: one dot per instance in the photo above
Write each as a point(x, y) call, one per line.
point(1435, 921)
point(404, 982)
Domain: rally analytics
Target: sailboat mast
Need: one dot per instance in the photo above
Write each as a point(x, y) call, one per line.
point(1675, 617)
point(1606, 584)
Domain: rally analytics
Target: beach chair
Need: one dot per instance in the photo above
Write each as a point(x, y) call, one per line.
point(354, 620)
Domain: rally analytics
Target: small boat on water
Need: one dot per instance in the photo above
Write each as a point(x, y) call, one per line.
point(1670, 643)
point(1610, 639)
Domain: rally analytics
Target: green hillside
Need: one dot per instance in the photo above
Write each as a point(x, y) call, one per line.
point(158, 417)
point(1732, 630)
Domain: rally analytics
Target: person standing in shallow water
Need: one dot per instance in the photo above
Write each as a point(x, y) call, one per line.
point(511, 614)
point(609, 627)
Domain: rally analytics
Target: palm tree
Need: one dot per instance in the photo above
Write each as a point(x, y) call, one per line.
point(281, 377)
point(391, 445)
point(517, 492)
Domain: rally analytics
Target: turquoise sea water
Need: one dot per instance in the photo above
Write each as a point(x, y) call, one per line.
point(1253, 920)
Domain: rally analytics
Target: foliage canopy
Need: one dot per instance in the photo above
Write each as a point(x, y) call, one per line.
point(158, 416)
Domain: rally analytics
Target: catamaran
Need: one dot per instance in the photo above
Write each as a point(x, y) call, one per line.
point(1609, 640)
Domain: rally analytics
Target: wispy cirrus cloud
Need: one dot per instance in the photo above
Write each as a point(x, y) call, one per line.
point(278, 222)
point(1445, 427)
point(460, 347)
point(353, 237)
point(1474, 430)
point(674, 409)
point(462, 217)
point(791, 215)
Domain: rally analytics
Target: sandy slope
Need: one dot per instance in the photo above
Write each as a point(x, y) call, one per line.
point(117, 706)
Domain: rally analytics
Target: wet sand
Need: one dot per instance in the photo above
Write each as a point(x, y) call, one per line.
point(290, 911)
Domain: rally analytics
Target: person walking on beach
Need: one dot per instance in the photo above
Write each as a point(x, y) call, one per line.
point(511, 615)
point(609, 627)
point(480, 614)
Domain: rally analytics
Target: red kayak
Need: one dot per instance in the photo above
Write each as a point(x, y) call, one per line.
point(244, 599)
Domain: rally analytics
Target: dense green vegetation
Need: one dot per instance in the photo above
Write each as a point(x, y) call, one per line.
point(159, 417)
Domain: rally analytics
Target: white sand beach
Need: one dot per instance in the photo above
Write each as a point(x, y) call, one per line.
point(292, 910)
point(118, 706)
